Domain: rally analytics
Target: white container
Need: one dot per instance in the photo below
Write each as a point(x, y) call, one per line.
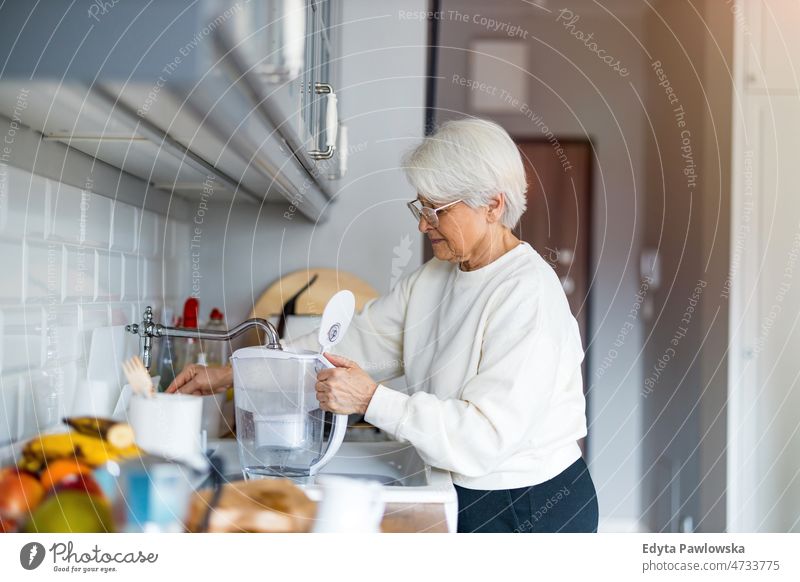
point(168, 425)
point(349, 505)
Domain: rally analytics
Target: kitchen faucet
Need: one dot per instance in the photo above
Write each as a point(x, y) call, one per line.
point(149, 330)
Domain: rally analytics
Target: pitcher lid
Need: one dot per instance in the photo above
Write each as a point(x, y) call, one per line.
point(265, 352)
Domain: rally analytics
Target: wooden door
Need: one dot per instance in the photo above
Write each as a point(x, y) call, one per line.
point(557, 222)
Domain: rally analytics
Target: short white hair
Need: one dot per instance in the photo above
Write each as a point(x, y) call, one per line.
point(472, 160)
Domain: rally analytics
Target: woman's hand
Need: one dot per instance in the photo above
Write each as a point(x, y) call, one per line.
point(345, 389)
point(201, 380)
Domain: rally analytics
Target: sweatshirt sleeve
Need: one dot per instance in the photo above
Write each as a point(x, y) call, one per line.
point(374, 339)
point(525, 354)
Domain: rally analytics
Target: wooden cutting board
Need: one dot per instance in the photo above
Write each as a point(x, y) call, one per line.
point(314, 299)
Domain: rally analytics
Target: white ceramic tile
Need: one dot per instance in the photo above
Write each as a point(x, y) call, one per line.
point(133, 278)
point(122, 314)
point(23, 203)
point(60, 385)
point(79, 216)
point(11, 281)
point(9, 408)
point(42, 263)
point(153, 279)
point(94, 315)
point(123, 227)
point(162, 235)
point(170, 242)
point(79, 273)
point(173, 288)
point(148, 236)
point(62, 329)
point(23, 339)
point(41, 398)
point(109, 276)
point(182, 240)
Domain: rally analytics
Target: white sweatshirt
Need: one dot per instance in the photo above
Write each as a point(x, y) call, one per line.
point(492, 359)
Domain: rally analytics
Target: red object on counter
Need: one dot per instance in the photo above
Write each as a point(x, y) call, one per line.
point(191, 310)
point(217, 315)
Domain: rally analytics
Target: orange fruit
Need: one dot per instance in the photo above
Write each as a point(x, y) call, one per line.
point(58, 470)
point(20, 492)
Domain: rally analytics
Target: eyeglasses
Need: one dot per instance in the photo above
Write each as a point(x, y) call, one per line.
point(431, 215)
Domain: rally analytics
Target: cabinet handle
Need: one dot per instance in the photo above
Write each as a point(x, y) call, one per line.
point(331, 122)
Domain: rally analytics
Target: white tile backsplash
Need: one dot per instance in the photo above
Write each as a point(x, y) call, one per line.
point(43, 273)
point(149, 236)
point(23, 209)
point(23, 338)
point(108, 284)
point(73, 261)
point(133, 277)
point(9, 408)
point(11, 282)
point(79, 216)
point(94, 315)
point(122, 314)
point(79, 273)
point(124, 226)
point(62, 334)
point(153, 278)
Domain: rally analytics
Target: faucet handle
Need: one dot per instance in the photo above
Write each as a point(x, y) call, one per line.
point(147, 331)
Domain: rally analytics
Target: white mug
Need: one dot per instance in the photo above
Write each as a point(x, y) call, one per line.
point(167, 424)
point(349, 505)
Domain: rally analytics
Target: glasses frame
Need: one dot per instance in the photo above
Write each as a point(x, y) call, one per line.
point(431, 215)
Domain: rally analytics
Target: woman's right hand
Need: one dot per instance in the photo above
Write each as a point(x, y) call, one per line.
point(202, 380)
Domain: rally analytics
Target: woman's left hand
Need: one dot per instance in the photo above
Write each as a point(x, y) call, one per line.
point(345, 389)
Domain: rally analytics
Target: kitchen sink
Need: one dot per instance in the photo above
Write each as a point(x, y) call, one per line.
point(397, 466)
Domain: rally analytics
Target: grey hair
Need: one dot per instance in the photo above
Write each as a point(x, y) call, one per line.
point(472, 160)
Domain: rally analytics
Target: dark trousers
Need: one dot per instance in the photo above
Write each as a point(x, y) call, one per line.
point(565, 503)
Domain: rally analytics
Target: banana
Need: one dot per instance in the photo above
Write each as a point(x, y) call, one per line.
point(119, 434)
point(88, 449)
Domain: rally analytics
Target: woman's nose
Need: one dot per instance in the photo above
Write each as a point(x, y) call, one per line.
point(423, 225)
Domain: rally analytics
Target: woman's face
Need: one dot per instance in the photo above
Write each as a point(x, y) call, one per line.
point(461, 234)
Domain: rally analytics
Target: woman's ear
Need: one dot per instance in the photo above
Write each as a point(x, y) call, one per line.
point(496, 207)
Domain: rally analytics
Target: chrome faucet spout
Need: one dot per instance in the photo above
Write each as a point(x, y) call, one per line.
point(148, 330)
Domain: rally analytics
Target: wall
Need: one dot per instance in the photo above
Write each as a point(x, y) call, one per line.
point(688, 181)
point(577, 95)
point(75, 258)
point(367, 229)
point(764, 440)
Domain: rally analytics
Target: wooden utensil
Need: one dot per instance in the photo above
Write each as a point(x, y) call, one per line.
point(138, 377)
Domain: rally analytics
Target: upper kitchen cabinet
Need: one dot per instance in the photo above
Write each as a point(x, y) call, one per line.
point(214, 96)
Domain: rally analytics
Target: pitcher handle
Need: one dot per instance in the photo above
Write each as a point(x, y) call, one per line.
point(336, 436)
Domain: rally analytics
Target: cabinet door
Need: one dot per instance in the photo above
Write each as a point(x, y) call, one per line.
point(772, 44)
point(320, 78)
point(270, 37)
point(325, 66)
point(310, 101)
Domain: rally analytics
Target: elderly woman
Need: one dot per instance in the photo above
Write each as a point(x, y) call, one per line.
point(485, 338)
